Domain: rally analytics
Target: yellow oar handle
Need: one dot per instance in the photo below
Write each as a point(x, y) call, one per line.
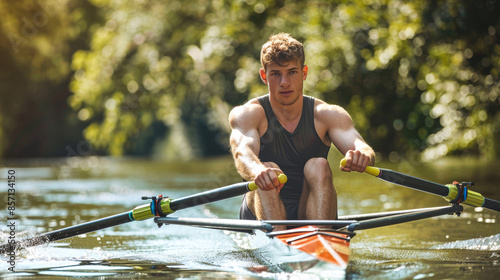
point(369, 169)
point(282, 178)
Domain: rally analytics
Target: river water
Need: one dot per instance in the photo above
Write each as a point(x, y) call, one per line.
point(56, 193)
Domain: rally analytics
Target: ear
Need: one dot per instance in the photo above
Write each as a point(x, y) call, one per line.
point(262, 73)
point(304, 72)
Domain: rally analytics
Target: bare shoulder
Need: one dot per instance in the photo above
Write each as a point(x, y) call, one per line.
point(332, 116)
point(247, 115)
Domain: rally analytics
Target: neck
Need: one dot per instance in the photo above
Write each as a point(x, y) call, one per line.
point(288, 114)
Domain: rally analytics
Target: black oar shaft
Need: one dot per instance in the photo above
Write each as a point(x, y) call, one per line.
point(449, 192)
point(492, 204)
point(413, 182)
point(140, 213)
point(89, 227)
point(70, 231)
point(217, 194)
point(210, 196)
point(176, 204)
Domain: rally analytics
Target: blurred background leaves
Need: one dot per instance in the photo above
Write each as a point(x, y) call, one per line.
point(158, 78)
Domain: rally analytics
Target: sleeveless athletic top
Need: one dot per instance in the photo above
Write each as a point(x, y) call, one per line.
point(291, 151)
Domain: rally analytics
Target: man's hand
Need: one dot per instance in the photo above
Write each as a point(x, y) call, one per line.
point(356, 160)
point(267, 179)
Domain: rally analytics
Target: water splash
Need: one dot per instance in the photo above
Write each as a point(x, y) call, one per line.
point(491, 243)
point(22, 242)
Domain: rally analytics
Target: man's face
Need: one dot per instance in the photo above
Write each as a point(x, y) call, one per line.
point(285, 82)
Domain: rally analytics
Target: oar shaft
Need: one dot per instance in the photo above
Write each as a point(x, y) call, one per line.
point(170, 206)
point(413, 182)
point(89, 227)
point(140, 213)
point(449, 192)
point(86, 227)
point(210, 196)
point(69, 232)
point(492, 204)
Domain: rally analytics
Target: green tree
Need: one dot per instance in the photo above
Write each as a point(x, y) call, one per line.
point(37, 39)
point(460, 77)
point(159, 77)
point(145, 65)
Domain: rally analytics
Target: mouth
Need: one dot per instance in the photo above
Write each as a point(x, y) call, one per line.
point(286, 92)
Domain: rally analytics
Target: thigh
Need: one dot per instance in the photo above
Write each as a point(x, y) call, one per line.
point(318, 179)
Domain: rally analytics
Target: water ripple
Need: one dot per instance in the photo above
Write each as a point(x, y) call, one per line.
point(491, 243)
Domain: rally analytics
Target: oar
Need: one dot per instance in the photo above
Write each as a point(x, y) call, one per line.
point(449, 192)
point(159, 205)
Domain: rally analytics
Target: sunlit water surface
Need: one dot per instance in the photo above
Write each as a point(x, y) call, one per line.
point(53, 194)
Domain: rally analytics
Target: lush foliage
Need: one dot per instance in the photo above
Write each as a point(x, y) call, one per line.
point(37, 40)
point(161, 76)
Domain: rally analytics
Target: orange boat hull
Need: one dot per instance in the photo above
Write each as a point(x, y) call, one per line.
point(324, 244)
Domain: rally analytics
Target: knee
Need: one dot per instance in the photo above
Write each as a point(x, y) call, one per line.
point(318, 167)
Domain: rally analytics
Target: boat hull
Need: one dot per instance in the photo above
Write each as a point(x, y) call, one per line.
point(323, 244)
point(307, 248)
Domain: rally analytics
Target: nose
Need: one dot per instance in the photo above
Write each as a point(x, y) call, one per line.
point(284, 81)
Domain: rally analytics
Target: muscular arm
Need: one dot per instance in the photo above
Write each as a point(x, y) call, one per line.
point(245, 145)
point(347, 139)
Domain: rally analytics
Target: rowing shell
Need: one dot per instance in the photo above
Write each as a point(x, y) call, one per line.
point(323, 244)
point(306, 249)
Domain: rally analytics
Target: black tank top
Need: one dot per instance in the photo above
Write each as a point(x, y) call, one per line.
point(291, 151)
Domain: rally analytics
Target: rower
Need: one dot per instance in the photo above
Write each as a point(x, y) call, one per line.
point(288, 132)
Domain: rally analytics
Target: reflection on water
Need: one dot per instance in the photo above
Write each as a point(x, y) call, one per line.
point(54, 194)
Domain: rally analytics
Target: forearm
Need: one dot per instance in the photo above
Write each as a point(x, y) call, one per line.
point(247, 165)
point(245, 147)
point(246, 159)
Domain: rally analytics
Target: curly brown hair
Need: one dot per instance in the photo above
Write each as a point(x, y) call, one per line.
point(281, 48)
